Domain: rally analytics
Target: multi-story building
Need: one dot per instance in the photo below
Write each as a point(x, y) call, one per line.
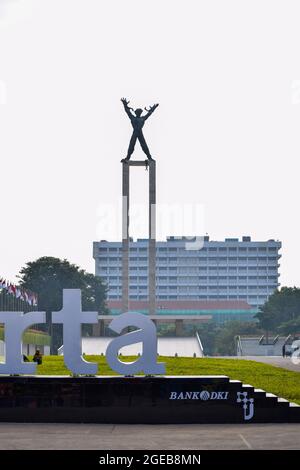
point(233, 269)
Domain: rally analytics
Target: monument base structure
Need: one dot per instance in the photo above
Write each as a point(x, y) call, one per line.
point(140, 399)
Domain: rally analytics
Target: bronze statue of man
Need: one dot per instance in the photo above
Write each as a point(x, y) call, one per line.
point(137, 122)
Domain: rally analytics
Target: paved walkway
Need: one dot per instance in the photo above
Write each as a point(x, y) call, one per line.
point(148, 437)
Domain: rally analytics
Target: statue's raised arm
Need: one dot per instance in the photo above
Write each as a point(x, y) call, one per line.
point(127, 108)
point(150, 110)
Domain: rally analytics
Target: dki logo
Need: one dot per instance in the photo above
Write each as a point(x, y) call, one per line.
point(248, 405)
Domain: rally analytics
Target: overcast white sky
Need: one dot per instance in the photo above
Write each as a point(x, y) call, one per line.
point(226, 135)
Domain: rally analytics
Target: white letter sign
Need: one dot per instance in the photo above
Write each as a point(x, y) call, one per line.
point(15, 323)
point(72, 317)
point(146, 335)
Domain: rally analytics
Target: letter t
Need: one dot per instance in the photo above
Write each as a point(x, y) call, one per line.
point(72, 317)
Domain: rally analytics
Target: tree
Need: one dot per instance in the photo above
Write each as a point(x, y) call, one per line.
point(48, 276)
point(225, 339)
point(208, 333)
point(282, 307)
point(290, 327)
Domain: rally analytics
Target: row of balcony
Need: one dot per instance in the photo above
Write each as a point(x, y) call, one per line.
point(252, 300)
point(175, 264)
point(190, 253)
point(196, 281)
point(199, 291)
point(191, 261)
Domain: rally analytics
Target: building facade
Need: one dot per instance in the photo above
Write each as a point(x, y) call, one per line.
point(218, 311)
point(232, 269)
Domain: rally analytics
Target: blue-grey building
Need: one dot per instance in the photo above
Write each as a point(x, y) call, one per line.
point(232, 269)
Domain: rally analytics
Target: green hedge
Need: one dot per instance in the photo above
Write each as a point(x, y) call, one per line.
point(39, 338)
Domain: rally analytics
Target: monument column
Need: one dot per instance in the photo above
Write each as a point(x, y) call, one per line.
point(138, 119)
point(125, 237)
point(152, 239)
point(151, 165)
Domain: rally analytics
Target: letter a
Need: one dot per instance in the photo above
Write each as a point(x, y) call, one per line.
point(145, 335)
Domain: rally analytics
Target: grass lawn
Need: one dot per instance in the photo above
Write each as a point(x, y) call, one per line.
point(281, 382)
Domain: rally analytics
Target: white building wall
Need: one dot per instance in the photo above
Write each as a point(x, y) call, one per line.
point(166, 346)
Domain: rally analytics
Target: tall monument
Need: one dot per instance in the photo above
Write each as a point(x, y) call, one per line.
point(138, 121)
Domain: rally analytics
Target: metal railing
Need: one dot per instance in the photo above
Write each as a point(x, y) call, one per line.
point(200, 344)
point(239, 348)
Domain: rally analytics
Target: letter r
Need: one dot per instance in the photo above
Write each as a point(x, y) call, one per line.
point(15, 325)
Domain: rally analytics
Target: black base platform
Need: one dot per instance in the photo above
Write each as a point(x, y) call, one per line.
point(182, 399)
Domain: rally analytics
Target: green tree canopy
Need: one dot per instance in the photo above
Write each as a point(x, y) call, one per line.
point(48, 276)
point(290, 327)
point(225, 339)
point(282, 307)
